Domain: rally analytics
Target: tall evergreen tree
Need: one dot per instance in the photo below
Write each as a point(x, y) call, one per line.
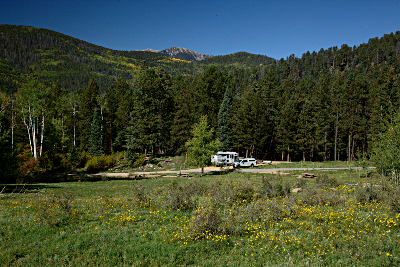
point(149, 125)
point(209, 91)
point(224, 130)
point(184, 115)
point(88, 103)
point(119, 98)
point(95, 139)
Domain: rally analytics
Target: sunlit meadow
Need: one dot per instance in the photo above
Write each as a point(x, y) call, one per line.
point(217, 220)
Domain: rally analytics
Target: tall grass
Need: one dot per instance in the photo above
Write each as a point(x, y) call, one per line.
point(234, 219)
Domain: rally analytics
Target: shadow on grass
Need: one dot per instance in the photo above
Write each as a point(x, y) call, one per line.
point(23, 188)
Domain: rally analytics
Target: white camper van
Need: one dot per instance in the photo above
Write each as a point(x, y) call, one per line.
point(225, 158)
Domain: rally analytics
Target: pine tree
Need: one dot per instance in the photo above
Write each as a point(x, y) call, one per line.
point(118, 106)
point(224, 131)
point(184, 116)
point(73, 155)
point(149, 125)
point(88, 103)
point(95, 139)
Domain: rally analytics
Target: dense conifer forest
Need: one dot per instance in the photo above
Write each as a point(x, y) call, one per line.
point(63, 100)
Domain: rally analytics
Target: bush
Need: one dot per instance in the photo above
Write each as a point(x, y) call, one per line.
point(280, 209)
point(100, 163)
point(326, 182)
point(274, 187)
point(129, 158)
point(84, 157)
point(205, 220)
point(140, 196)
point(54, 210)
point(140, 161)
point(176, 197)
point(314, 197)
point(73, 156)
point(368, 194)
point(394, 201)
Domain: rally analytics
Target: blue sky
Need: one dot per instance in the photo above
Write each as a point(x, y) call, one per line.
point(272, 28)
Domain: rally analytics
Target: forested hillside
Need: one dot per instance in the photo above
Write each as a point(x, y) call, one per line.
point(54, 57)
point(64, 101)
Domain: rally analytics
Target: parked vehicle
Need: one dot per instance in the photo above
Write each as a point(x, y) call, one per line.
point(225, 158)
point(247, 162)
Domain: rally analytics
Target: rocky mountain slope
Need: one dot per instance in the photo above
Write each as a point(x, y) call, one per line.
point(181, 53)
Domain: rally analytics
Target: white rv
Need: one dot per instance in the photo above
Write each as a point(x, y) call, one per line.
point(225, 158)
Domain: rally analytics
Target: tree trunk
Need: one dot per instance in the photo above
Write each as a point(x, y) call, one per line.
point(41, 137)
point(336, 133)
point(349, 149)
point(34, 139)
point(288, 155)
point(74, 125)
point(325, 147)
point(12, 125)
point(110, 138)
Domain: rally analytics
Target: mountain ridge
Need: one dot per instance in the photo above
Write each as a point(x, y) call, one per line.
point(180, 53)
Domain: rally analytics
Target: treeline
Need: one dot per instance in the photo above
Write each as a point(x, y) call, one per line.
point(328, 105)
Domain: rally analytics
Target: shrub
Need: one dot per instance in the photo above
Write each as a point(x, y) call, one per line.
point(394, 201)
point(140, 196)
point(84, 157)
point(274, 187)
point(326, 182)
point(314, 197)
point(140, 161)
point(129, 157)
point(300, 182)
point(368, 194)
point(205, 220)
point(176, 197)
point(55, 209)
point(73, 156)
point(278, 209)
point(100, 163)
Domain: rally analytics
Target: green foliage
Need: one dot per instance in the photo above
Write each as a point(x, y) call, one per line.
point(129, 157)
point(224, 131)
point(88, 104)
point(95, 139)
point(54, 210)
point(140, 161)
point(100, 163)
point(272, 186)
point(386, 150)
point(84, 157)
point(205, 220)
point(176, 197)
point(73, 155)
point(149, 124)
point(202, 145)
point(326, 182)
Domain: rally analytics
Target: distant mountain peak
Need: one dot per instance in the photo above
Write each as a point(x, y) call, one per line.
point(151, 50)
point(181, 53)
point(184, 53)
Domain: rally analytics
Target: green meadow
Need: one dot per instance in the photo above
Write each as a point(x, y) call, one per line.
point(340, 218)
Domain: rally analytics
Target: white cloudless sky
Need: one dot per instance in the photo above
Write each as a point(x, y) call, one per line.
point(273, 28)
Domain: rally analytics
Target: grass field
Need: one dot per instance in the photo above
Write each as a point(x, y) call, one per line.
point(236, 219)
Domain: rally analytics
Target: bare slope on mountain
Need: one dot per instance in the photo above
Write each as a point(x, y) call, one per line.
point(184, 54)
